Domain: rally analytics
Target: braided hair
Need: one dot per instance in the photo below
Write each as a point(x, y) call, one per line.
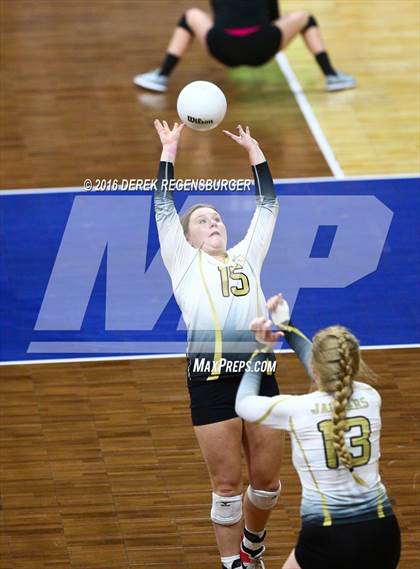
point(336, 359)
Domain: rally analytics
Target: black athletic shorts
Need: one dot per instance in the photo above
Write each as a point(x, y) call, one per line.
point(374, 544)
point(254, 49)
point(214, 401)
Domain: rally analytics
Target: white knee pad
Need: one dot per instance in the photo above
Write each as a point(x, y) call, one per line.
point(262, 499)
point(226, 510)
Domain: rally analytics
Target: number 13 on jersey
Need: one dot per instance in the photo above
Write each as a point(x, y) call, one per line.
point(360, 430)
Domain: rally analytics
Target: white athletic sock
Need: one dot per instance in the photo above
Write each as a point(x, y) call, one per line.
point(228, 561)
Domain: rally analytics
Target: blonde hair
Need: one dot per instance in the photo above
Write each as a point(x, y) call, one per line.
point(337, 361)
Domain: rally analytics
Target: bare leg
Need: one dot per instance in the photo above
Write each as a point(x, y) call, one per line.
point(220, 444)
point(197, 23)
point(313, 40)
point(291, 25)
point(200, 22)
point(291, 562)
point(263, 452)
point(180, 42)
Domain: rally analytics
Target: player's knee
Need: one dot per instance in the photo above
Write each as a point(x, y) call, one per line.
point(193, 15)
point(264, 499)
point(185, 20)
point(226, 510)
point(310, 22)
point(299, 18)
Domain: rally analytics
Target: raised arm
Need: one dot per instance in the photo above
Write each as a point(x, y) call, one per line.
point(300, 344)
point(258, 238)
point(176, 252)
point(268, 411)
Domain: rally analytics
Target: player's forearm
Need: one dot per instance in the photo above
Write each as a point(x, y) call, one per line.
point(169, 152)
point(263, 181)
point(163, 198)
point(256, 155)
point(250, 382)
point(165, 172)
point(299, 344)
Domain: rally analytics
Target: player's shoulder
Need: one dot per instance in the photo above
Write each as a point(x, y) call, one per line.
point(299, 403)
point(363, 389)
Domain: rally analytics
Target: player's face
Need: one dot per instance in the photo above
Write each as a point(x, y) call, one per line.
point(207, 231)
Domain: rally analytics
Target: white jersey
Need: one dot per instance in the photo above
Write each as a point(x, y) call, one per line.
point(218, 300)
point(330, 495)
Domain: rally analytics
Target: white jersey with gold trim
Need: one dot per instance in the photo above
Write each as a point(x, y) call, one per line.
point(218, 300)
point(330, 495)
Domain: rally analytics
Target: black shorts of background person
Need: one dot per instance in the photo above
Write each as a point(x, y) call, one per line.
point(253, 49)
point(244, 35)
point(341, 544)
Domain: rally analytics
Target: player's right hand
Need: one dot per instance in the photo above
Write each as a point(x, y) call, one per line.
point(263, 332)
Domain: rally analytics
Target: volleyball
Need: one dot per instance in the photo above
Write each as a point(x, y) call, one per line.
point(201, 105)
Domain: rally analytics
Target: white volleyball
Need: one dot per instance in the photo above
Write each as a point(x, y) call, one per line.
point(201, 105)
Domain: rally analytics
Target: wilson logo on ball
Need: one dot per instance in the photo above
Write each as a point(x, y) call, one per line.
point(198, 121)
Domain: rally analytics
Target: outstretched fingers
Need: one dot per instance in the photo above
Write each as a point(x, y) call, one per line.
point(274, 301)
point(158, 125)
point(232, 136)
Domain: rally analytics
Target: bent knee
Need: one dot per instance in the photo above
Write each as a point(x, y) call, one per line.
point(303, 15)
point(194, 14)
point(300, 18)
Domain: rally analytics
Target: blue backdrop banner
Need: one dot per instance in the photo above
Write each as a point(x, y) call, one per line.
point(81, 273)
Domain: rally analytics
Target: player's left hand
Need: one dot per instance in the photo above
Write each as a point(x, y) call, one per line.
point(243, 138)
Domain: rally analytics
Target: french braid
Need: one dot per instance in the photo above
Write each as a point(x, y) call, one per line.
point(336, 358)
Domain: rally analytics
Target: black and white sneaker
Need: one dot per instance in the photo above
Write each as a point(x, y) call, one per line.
point(339, 82)
point(152, 80)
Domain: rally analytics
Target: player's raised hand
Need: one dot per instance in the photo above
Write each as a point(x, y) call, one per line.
point(279, 310)
point(167, 135)
point(243, 138)
point(263, 332)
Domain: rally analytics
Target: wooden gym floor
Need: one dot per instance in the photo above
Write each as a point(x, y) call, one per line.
point(100, 468)
point(99, 465)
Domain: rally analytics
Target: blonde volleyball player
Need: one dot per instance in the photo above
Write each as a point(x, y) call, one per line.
point(218, 291)
point(347, 520)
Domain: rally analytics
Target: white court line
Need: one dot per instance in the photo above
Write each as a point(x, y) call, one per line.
point(367, 177)
point(174, 356)
point(309, 115)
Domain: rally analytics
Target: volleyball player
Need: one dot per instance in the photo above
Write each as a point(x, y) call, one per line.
point(347, 519)
point(244, 32)
point(219, 293)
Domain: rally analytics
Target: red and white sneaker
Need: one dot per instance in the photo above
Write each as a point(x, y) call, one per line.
point(251, 562)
